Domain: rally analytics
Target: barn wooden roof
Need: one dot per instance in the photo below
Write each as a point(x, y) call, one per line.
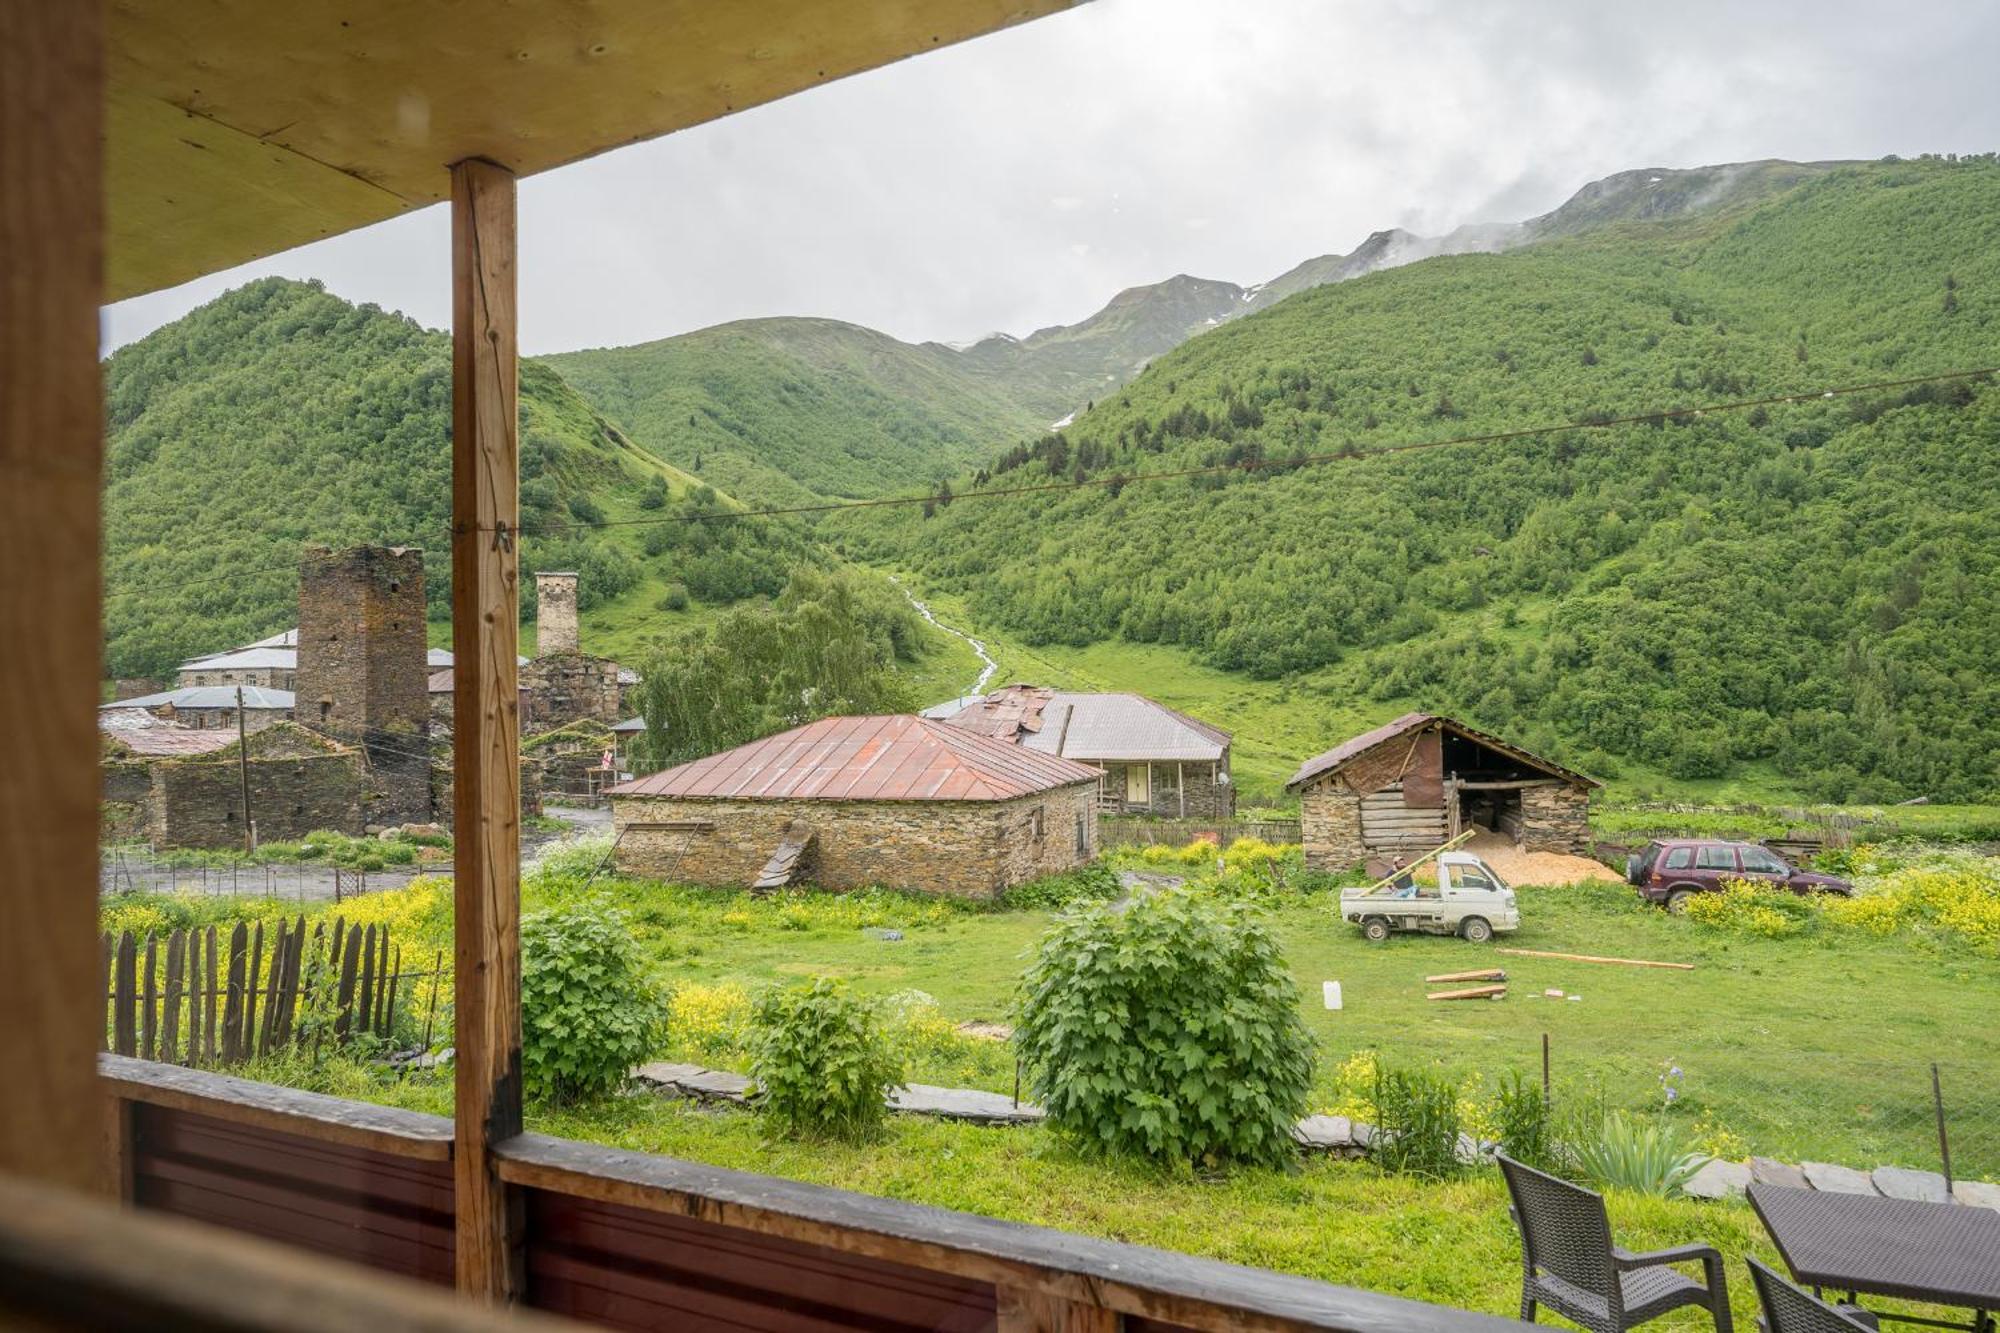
point(1355, 746)
point(239, 128)
point(893, 758)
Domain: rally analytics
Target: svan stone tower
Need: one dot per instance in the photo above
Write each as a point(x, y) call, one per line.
point(363, 668)
point(555, 614)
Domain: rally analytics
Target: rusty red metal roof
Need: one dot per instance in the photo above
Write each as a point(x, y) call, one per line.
point(893, 758)
point(1355, 746)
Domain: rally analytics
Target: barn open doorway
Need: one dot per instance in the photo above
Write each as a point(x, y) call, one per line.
point(1487, 785)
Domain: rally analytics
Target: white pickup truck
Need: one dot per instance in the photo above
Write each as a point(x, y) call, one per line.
point(1453, 893)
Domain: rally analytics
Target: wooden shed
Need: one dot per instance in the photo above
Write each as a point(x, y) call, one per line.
point(1411, 784)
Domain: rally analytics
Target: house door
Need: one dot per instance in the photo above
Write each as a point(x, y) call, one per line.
point(1138, 784)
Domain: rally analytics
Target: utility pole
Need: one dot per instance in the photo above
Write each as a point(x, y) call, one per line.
point(243, 774)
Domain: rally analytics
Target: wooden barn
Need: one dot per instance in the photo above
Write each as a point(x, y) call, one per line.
point(1411, 784)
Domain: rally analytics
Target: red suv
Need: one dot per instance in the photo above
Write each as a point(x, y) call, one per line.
point(1671, 869)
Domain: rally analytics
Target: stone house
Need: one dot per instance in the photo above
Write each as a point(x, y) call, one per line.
point(210, 707)
point(561, 688)
point(162, 787)
point(1154, 760)
point(1411, 784)
point(846, 802)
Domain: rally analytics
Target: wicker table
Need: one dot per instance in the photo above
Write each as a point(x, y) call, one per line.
point(1945, 1254)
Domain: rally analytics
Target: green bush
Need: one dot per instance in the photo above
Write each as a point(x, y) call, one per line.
point(1416, 1123)
point(1167, 1027)
point(1523, 1124)
point(821, 1062)
point(1094, 882)
point(588, 1013)
point(1643, 1156)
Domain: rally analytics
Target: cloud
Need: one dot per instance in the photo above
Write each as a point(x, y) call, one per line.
point(1021, 179)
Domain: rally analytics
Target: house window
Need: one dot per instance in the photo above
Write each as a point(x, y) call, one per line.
point(1035, 824)
point(1082, 834)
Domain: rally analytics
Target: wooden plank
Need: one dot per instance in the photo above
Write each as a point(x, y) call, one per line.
point(246, 1040)
point(1023, 1311)
point(71, 1262)
point(51, 461)
point(1469, 993)
point(350, 964)
point(273, 986)
point(1593, 958)
point(170, 1018)
point(388, 1024)
point(211, 998)
point(364, 1000)
point(1482, 974)
point(149, 995)
point(486, 733)
point(124, 998)
point(385, 1129)
point(232, 1003)
point(1173, 1288)
point(194, 996)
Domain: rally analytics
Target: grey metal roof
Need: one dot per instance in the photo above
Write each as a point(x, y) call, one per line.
point(631, 724)
point(1093, 726)
point(210, 696)
point(281, 652)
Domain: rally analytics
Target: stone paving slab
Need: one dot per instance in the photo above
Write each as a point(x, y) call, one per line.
point(984, 1108)
point(696, 1081)
point(1976, 1193)
point(1835, 1179)
point(1718, 1179)
point(1899, 1182)
point(1765, 1171)
point(1325, 1133)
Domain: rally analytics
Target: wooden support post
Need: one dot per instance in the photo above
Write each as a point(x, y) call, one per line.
point(486, 734)
point(1023, 1311)
point(51, 456)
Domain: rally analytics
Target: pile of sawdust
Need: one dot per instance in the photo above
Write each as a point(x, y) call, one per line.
point(1518, 867)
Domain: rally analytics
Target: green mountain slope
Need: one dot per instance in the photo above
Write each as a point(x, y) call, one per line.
point(280, 414)
point(787, 410)
point(1810, 587)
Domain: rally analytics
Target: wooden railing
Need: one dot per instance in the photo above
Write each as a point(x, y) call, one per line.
point(611, 1236)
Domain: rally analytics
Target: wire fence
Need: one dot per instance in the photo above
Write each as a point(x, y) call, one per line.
point(1802, 1108)
point(122, 871)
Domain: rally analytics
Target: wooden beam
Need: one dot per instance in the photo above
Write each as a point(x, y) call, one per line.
point(1022, 1311)
point(1511, 784)
point(68, 1262)
point(486, 735)
point(51, 456)
point(1594, 958)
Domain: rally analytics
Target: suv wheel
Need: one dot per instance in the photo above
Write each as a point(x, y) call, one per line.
point(1375, 929)
point(1677, 901)
point(1476, 929)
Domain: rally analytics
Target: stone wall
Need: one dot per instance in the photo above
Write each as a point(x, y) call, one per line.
point(200, 803)
point(562, 688)
point(555, 615)
point(274, 678)
point(1207, 798)
point(1330, 824)
point(363, 673)
point(1556, 819)
point(967, 849)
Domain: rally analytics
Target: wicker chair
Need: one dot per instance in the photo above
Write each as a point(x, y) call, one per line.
point(1569, 1264)
point(1790, 1310)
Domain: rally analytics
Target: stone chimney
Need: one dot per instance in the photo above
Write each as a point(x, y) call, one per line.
point(555, 613)
point(363, 668)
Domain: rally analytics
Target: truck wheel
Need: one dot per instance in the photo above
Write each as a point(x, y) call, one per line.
point(1375, 929)
point(1677, 901)
point(1476, 929)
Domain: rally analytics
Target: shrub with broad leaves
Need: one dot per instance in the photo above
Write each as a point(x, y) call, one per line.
point(822, 1064)
point(1167, 1027)
point(588, 1013)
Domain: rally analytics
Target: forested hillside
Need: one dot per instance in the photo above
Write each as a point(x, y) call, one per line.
point(280, 414)
point(1809, 586)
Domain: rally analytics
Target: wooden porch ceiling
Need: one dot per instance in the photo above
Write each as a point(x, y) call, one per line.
point(239, 128)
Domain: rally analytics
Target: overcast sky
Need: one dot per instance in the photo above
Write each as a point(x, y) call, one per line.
point(1021, 179)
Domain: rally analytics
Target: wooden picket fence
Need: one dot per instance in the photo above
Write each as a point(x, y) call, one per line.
point(223, 1000)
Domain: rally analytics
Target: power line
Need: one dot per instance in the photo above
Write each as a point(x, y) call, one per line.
point(1350, 454)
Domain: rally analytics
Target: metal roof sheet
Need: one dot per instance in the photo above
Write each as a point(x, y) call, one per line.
point(210, 696)
point(893, 758)
point(1354, 746)
point(1092, 725)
